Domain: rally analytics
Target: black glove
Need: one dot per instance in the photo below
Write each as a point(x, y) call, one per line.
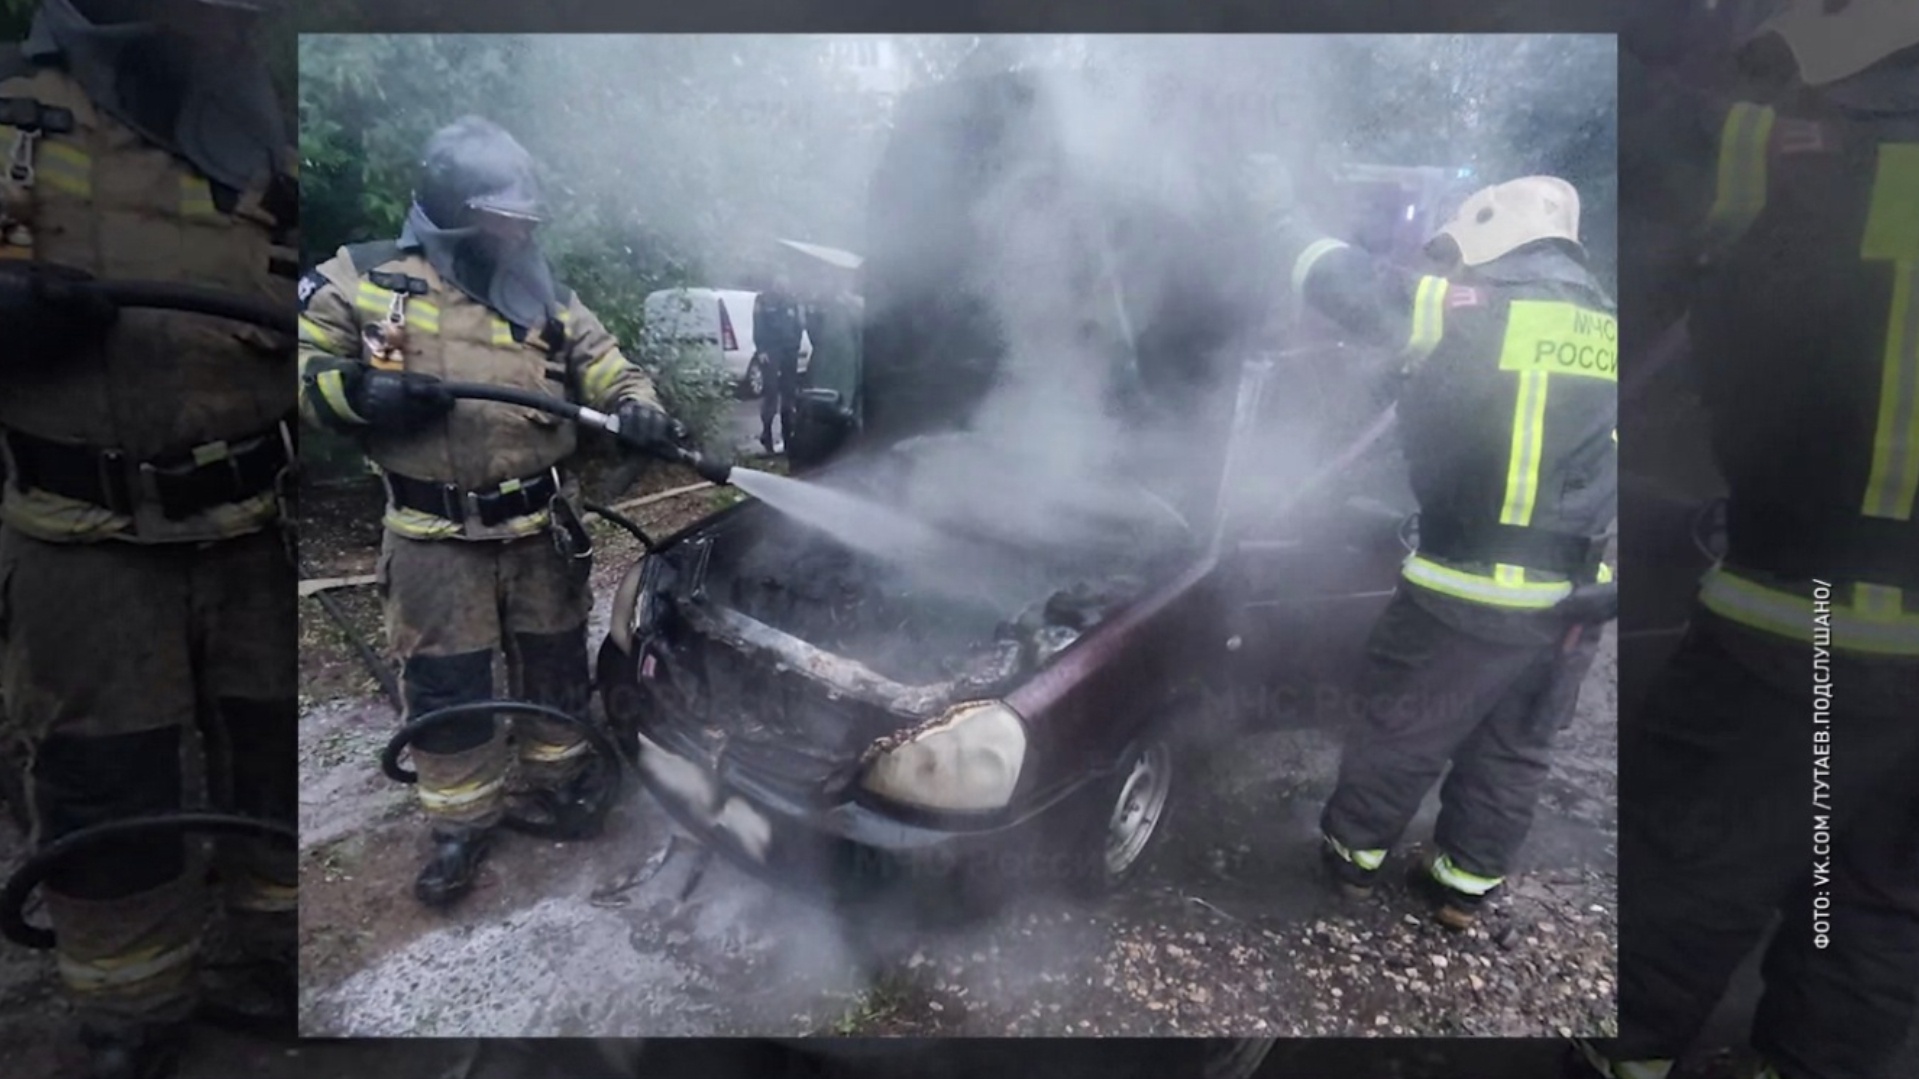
point(1592, 604)
point(397, 402)
point(47, 311)
point(647, 429)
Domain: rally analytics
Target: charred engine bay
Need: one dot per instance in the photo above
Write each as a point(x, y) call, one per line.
point(967, 617)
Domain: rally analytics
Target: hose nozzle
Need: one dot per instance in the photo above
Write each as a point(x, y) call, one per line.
point(714, 472)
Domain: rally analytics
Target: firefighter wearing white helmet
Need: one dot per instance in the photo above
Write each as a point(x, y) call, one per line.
point(1504, 367)
point(145, 583)
point(1769, 776)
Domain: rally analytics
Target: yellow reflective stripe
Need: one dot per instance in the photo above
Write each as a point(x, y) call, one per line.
point(1365, 859)
point(1892, 234)
point(1303, 265)
point(1605, 573)
point(1528, 450)
point(196, 197)
point(372, 300)
point(552, 752)
point(210, 453)
point(64, 168)
point(415, 524)
point(600, 376)
point(1446, 872)
point(503, 333)
point(463, 796)
point(1482, 589)
point(1750, 603)
point(123, 973)
point(332, 386)
point(1878, 603)
point(262, 896)
point(1429, 320)
point(1742, 171)
point(312, 333)
point(1550, 337)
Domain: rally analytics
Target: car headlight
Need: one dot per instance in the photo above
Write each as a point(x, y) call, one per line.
point(968, 759)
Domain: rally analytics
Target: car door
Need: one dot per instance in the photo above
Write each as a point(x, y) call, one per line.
point(1325, 518)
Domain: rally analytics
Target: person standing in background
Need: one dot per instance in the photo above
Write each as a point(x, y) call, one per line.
point(779, 323)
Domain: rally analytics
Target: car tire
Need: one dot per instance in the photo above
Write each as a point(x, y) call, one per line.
point(1125, 814)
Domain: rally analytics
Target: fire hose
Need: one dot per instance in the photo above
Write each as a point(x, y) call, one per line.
point(596, 738)
point(711, 471)
point(37, 284)
point(602, 745)
point(35, 870)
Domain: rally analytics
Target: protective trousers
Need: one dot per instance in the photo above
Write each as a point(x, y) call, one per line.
point(1432, 693)
point(135, 678)
point(1724, 827)
point(782, 394)
point(450, 605)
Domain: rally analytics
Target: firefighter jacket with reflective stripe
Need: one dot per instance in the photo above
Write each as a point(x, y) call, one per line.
point(1804, 319)
point(158, 385)
point(1507, 407)
point(480, 445)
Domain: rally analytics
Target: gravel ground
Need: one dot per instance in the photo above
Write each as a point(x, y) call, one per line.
point(1226, 932)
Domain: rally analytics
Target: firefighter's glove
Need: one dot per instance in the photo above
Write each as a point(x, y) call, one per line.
point(47, 312)
point(648, 430)
point(1592, 604)
point(398, 402)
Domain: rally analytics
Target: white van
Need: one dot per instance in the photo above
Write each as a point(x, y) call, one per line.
point(719, 321)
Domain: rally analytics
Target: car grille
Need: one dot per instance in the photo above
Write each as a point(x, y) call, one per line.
point(781, 732)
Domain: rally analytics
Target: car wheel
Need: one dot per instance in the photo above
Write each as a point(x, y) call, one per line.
point(1126, 817)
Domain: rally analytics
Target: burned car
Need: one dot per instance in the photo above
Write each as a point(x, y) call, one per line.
point(1087, 514)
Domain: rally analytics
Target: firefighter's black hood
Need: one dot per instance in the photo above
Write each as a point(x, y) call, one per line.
point(215, 108)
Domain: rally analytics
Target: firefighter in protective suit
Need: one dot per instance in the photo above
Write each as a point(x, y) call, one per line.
point(145, 585)
point(1774, 771)
point(1506, 393)
point(484, 550)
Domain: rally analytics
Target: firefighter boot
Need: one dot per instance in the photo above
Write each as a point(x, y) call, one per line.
point(123, 1049)
point(1352, 880)
point(579, 808)
point(453, 865)
point(1453, 908)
